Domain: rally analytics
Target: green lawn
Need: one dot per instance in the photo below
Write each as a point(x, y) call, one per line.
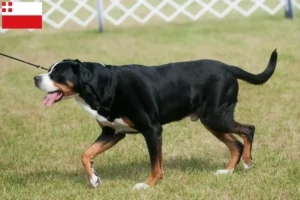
point(40, 147)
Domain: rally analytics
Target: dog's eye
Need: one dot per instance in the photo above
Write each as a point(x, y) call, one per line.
point(58, 78)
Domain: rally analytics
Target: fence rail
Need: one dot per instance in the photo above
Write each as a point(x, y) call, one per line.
point(57, 13)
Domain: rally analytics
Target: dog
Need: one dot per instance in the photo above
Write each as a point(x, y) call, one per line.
point(138, 99)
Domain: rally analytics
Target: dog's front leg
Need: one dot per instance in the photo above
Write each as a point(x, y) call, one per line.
point(107, 139)
point(153, 137)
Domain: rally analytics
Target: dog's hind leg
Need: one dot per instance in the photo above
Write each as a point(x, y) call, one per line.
point(106, 140)
point(247, 133)
point(235, 147)
point(219, 121)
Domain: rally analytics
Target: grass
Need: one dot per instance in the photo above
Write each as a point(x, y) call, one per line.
point(41, 147)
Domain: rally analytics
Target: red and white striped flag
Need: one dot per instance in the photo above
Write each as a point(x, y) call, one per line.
point(22, 15)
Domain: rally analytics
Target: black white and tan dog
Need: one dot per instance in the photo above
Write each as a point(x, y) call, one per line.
point(139, 99)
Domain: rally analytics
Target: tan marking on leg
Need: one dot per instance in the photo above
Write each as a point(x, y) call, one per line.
point(97, 148)
point(247, 157)
point(161, 166)
point(233, 144)
point(156, 172)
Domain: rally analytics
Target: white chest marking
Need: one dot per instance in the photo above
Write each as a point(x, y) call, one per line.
point(118, 124)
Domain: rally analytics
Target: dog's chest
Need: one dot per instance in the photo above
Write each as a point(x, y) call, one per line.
point(118, 124)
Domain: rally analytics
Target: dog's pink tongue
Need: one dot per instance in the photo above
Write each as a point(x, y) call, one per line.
point(51, 98)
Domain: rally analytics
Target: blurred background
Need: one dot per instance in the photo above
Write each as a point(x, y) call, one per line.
point(84, 13)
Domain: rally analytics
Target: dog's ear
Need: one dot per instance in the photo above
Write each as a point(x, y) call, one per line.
point(82, 71)
point(85, 74)
point(68, 59)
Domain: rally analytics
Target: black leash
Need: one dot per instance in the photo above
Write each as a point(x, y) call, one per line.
point(37, 66)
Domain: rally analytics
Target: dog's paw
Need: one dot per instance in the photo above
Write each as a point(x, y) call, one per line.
point(224, 171)
point(247, 166)
point(95, 181)
point(140, 186)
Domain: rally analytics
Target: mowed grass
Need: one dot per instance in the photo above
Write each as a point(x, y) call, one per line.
point(41, 147)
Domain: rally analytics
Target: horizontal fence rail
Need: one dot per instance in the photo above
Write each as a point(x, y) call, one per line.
point(56, 13)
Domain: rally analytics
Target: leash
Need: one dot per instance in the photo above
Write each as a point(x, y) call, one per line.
point(37, 66)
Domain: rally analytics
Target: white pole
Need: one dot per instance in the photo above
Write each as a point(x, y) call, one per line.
point(100, 15)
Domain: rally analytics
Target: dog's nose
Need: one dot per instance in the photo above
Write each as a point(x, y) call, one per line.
point(37, 78)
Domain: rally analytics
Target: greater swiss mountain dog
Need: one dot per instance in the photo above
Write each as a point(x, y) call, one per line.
point(139, 99)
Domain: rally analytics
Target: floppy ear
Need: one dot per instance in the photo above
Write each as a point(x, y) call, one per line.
point(68, 59)
point(82, 72)
point(85, 73)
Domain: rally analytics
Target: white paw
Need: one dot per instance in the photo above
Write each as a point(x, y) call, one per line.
point(246, 166)
point(224, 171)
point(95, 181)
point(140, 186)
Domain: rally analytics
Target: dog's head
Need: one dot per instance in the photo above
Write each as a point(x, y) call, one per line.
point(62, 80)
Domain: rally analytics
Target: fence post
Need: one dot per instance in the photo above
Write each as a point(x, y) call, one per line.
point(289, 9)
point(100, 15)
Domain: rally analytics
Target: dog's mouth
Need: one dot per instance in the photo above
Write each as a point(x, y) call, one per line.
point(53, 97)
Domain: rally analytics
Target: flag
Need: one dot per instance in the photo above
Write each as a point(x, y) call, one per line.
point(22, 15)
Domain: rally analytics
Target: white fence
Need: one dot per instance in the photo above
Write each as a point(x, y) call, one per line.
point(118, 11)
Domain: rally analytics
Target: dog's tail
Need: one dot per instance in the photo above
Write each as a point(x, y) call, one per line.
point(259, 78)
